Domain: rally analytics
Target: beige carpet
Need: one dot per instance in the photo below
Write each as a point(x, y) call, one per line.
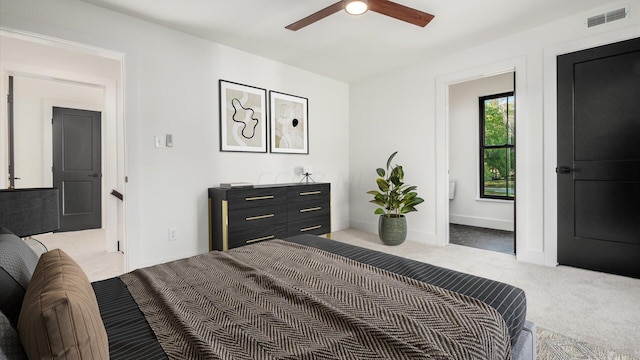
point(590, 307)
point(88, 249)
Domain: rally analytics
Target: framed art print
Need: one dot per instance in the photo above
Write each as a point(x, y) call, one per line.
point(243, 117)
point(289, 119)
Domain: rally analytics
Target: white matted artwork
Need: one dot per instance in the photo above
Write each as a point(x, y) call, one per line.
point(243, 117)
point(289, 123)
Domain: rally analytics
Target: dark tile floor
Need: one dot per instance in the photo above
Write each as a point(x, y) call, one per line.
point(481, 238)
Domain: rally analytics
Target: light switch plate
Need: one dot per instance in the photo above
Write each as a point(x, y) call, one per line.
point(169, 140)
point(173, 234)
point(158, 141)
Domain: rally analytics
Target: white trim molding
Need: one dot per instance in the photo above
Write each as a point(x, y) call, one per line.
point(487, 223)
point(525, 252)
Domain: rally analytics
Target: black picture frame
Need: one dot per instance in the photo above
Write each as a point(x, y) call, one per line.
point(243, 117)
point(288, 123)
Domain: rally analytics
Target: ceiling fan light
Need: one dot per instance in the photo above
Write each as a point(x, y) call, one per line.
point(356, 7)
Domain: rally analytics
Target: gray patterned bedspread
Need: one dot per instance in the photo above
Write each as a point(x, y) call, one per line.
point(280, 300)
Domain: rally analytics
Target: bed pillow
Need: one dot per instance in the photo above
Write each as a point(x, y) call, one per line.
point(17, 262)
point(10, 346)
point(60, 318)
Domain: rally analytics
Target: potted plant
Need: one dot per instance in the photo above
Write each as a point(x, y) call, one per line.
point(395, 199)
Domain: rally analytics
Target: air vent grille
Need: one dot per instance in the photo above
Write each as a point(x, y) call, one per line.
point(607, 17)
point(596, 20)
point(616, 14)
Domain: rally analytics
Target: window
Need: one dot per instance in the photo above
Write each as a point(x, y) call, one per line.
point(497, 146)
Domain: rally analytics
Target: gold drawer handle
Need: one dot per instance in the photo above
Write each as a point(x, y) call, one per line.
point(310, 193)
point(259, 217)
point(259, 198)
point(311, 228)
point(311, 209)
point(260, 239)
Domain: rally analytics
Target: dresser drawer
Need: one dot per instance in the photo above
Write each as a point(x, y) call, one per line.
point(244, 198)
point(308, 209)
point(308, 193)
point(316, 226)
point(245, 236)
point(258, 216)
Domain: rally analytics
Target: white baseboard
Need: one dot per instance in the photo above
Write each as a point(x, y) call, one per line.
point(481, 222)
point(365, 226)
point(417, 236)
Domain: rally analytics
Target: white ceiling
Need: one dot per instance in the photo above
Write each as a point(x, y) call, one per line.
point(342, 46)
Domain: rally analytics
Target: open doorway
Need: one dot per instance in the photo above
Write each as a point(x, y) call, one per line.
point(49, 74)
point(482, 163)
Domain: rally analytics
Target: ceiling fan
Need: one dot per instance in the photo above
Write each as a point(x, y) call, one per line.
point(357, 7)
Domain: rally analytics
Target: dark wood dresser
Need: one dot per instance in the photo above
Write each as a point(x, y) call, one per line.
point(241, 216)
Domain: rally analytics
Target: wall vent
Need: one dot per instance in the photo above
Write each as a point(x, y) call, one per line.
point(607, 17)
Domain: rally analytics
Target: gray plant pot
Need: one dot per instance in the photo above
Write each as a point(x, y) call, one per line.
point(392, 230)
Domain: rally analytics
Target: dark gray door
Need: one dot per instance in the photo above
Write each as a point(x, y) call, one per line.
point(77, 167)
point(599, 158)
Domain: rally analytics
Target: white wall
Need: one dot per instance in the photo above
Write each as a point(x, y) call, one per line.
point(171, 87)
point(33, 153)
point(467, 208)
point(407, 110)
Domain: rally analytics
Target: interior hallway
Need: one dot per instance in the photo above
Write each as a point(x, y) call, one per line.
point(88, 249)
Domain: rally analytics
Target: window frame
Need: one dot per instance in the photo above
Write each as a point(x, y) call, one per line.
point(483, 147)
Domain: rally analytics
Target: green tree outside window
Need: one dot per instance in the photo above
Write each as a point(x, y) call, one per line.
point(497, 146)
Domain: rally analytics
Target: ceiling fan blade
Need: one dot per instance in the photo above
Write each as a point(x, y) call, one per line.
point(400, 12)
point(329, 10)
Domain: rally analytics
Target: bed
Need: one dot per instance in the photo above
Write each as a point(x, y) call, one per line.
point(432, 312)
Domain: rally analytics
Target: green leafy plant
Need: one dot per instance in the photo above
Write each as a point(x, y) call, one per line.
point(394, 197)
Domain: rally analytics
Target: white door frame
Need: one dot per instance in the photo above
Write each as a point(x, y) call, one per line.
point(113, 125)
point(517, 65)
point(550, 128)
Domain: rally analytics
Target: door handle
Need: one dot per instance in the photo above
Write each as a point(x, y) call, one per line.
point(566, 170)
point(94, 175)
